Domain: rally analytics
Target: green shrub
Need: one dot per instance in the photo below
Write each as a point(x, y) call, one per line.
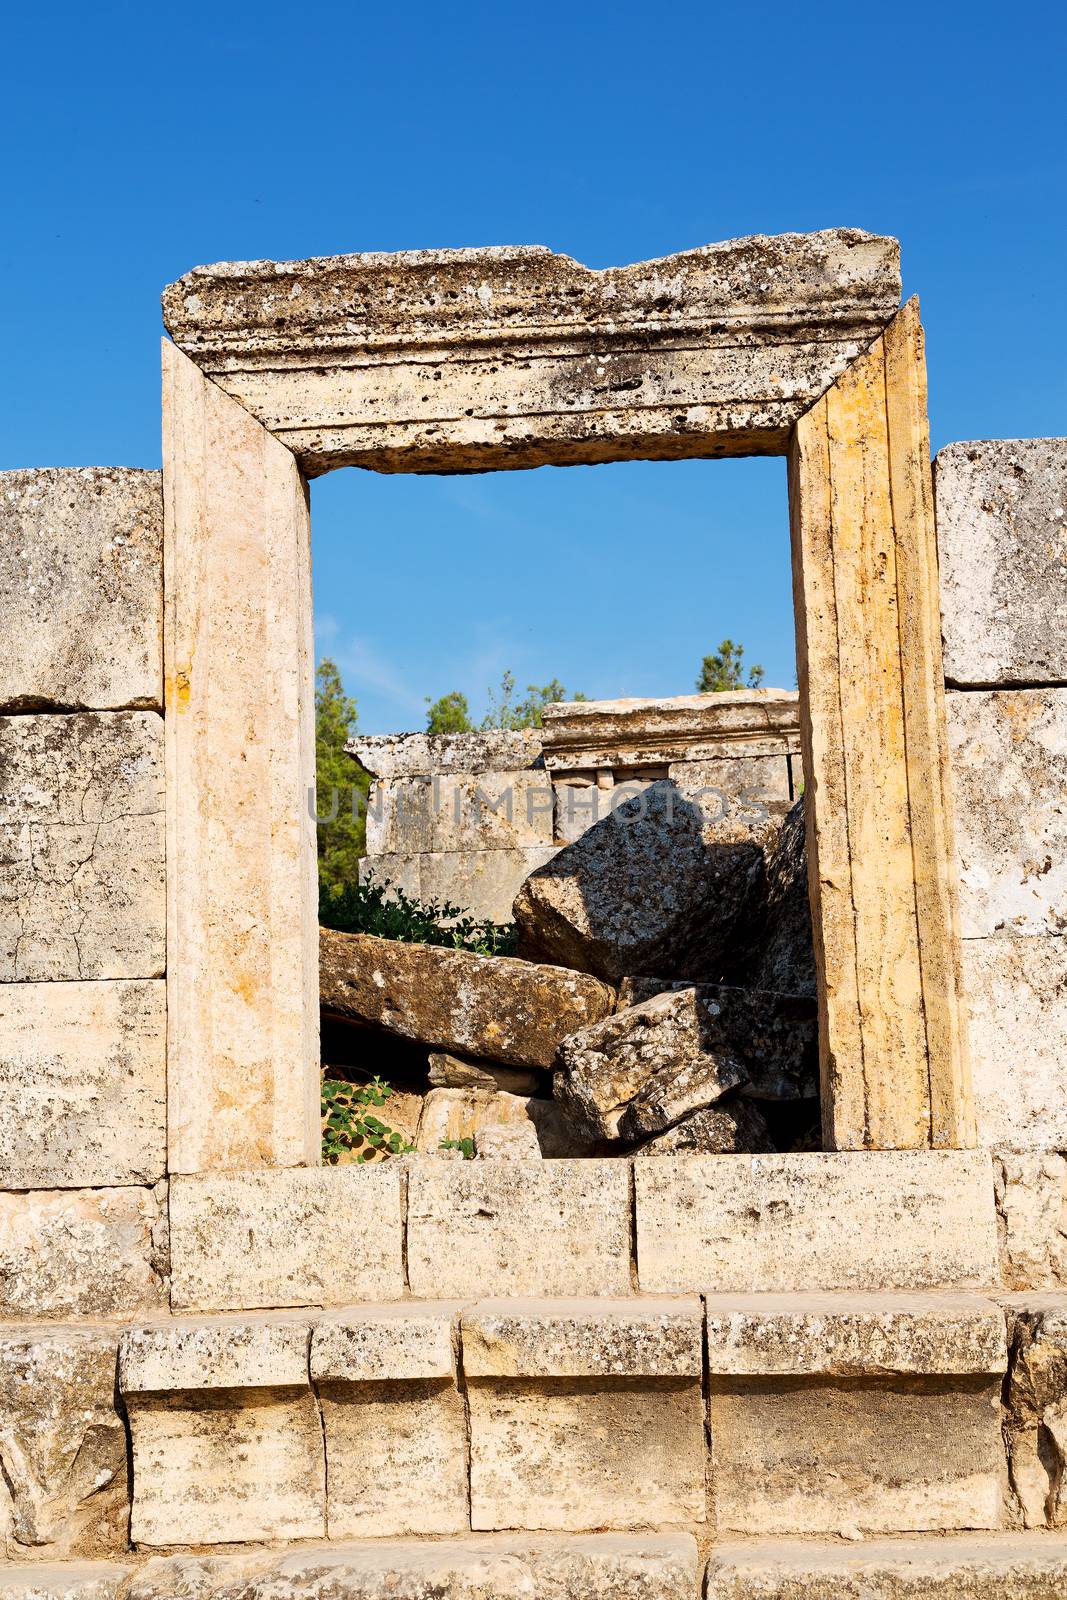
point(350, 1128)
point(464, 1146)
point(391, 914)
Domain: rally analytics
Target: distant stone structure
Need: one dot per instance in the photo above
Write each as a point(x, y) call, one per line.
point(226, 1369)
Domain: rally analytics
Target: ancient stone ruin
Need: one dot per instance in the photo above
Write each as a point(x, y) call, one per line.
point(652, 1342)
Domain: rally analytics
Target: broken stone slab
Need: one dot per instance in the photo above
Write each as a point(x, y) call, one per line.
point(864, 1220)
point(454, 1072)
point(1009, 763)
point(737, 1127)
point(394, 1420)
point(526, 1227)
point(1031, 1194)
point(63, 1443)
point(81, 833)
point(392, 756)
point(83, 1091)
point(1016, 993)
point(776, 948)
point(286, 1237)
point(1002, 540)
point(64, 1580)
point(81, 589)
point(654, 888)
point(1036, 1407)
point(510, 1011)
point(97, 1253)
point(516, 1126)
point(648, 1566)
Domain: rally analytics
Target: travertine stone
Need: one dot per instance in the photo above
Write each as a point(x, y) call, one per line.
point(578, 805)
point(1036, 1405)
point(453, 1072)
point(486, 1567)
point(266, 1350)
point(1031, 1191)
point(82, 892)
point(1017, 1004)
point(654, 888)
point(81, 589)
point(591, 1338)
point(737, 1126)
point(393, 872)
point(351, 359)
point(327, 1236)
point(1009, 762)
point(738, 784)
point(394, 1420)
point(526, 1228)
point(865, 1221)
point(63, 1490)
point(460, 811)
point(83, 1089)
point(1002, 537)
point(481, 882)
point(776, 947)
point(243, 1057)
point(511, 1011)
point(82, 1253)
point(685, 728)
point(960, 1567)
point(474, 1113)
point(64, 1580)
point(413, 755)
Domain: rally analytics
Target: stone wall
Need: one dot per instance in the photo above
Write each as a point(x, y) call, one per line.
point(1002, 535)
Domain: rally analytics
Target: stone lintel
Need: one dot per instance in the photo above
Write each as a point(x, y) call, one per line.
point(583, 735)
point(418, 755)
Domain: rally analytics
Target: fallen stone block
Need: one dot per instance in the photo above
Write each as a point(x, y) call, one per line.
point(226, 1436)
point(1001, 526)
point(775, 948)
point(1031, 1194)
point(510, 1011)
point(81, 589)
point(1016, 993)
point(526, 1227)
point(736, 1127)
point(82, 1253)
point(654, 888)
point(83, 1084)
point(453, 1072)
point(82, 891)
point(1036, 1407)
point(855, 1414)
point(584, 1414)
point(516, 1126)
point(62, 1443)
point(394, 1421)
point(286, 1237)
point(864, 1220)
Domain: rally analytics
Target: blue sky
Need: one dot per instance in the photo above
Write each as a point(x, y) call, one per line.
point(142, 141)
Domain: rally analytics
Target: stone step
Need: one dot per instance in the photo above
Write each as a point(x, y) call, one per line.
point(1003, 1566)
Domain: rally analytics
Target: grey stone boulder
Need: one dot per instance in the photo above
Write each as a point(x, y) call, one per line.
point(735, 1127)
point(656, 887)
point(775, 948)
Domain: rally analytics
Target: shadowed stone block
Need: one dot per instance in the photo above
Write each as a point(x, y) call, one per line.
point(82, 1253)
point(460, 811)
point(81, 588)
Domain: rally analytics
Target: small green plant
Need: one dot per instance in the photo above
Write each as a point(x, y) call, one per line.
point(464, 1146)
point(391, 914)
point(349, 1127)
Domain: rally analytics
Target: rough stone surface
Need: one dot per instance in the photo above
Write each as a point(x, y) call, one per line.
point(82, 1253)
point(689, 729)
point(737, 1127)
point(489, 1567)
point(959, 1567)
point(1016, 991)
point(323, 1236)
point(1031, 1192)
point(776, 949)
point(415, 755)
point(511, 1125)
point(63, 1482)
point(460, 811)
point(1036, 1400)
point(1009, 761)
point(82, 892)
point(1002, 538)
point(511, 1011)
point(239, 1352)
point(526, 1228)
point(481, 882)
point(83, 1084)
point(591, 1338)
point(399, 1343)
point(64, 1580)
point(867, 1220)
point(453, 1072)
point(654, 888)
point(81, 589)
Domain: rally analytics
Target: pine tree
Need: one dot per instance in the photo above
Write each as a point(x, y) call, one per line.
point(342, 785)
point(723, 670)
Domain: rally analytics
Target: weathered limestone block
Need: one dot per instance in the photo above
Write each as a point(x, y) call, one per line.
point(63, 1482)
point(738, 785)
point(460, 811)
point(392, 756)
point(482, 882)
point(687, 729)
point(321, 1236)
point(64, 1580)
point(82, 892)
point(1003, 1566)
point(737, 1127)
point(227, 1441)
point(1031, 1191)
point(579, 805)
point(655, 888)
point(517, 1126)
point(393, 872)
point(864, 1220)
point(81, 588)
point(1016, 991)
point(527, 1228)
point(1009, 760)
point(453, 1072)
point(511, 1011)
point(485, 1567)
point(82, 1253)
point(1036, 1401)
point(841, 1413)
point(584, 1413)
point(775, 948)
point(83, 1084)
point(1002, 538)
point(394, 1421)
